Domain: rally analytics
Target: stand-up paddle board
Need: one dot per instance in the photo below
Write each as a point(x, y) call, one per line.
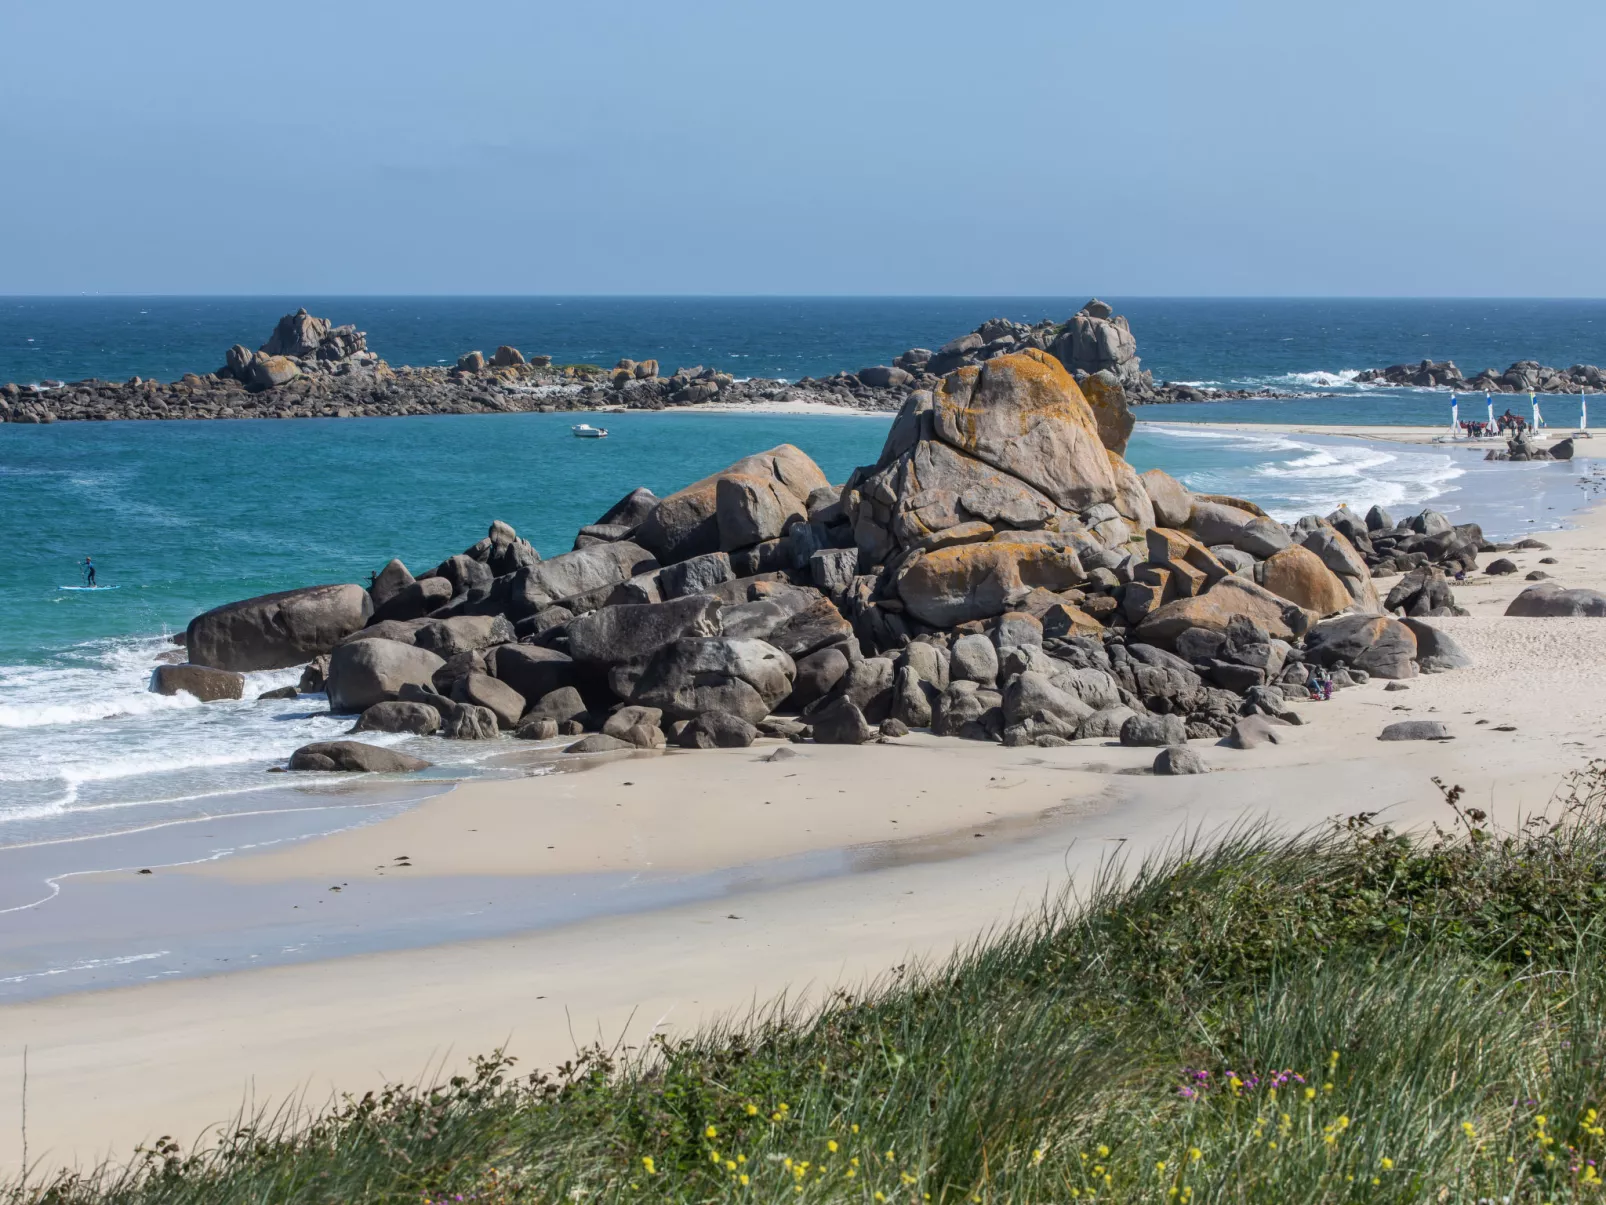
point(86, 587)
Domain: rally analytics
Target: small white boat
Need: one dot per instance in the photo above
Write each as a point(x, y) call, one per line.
point(587, 431)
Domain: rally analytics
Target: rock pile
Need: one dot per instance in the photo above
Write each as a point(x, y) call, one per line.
point(1525, 376)
point(310, 368)
point(1523, 446)
point(1000, 573)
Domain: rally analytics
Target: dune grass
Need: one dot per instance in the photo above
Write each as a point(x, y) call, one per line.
point(1341, 1016)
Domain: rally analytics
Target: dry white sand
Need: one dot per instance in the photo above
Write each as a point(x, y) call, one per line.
point(110, 1069)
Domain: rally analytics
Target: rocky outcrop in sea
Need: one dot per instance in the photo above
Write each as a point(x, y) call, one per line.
point(1000, 573)
point(310, 368)
point(1525, 376)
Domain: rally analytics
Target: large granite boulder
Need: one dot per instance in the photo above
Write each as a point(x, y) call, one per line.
point(1131, 500)
point(1097, 339)
point(365, 672)
point(978, 581)
point(1218, 523)
point(419, 719)
point(533, 671)
point(415, 600)
point(1111, 414)
point(575, 575)
point(1436, 650)
point(276, 631)
point(717, 730)
point(1024, 414)
point(1342, 558)
point(745, 678)
point(354, 757)
point(500, 699)
point(268, 372)
point(1548, 599)
point(1230, 597)
point(769, 485)
point(463, 634)
point(841, 723)
point(1172, 502)
point(1299, 575)
point(205, 683)
point(630, 511)
point(392, 578)
point(817, 675)
point(1031, 696)
point(615, 635)
point(798, 621)
point(1382, 646)
point(932, 488)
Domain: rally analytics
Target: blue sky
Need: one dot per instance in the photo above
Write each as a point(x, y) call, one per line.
point(1152, 147)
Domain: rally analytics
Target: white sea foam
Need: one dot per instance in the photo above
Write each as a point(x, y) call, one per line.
point(86, 964)
point(83, 738)
point(1291, 477)
point(1322, 380)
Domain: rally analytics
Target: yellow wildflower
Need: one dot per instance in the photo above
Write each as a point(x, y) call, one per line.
point(646, 1162)
point(1388, 1164)
point(831, 1146)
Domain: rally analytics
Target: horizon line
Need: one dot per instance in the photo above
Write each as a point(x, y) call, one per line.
point(452, 296)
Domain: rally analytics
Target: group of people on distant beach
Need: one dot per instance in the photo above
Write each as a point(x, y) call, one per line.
point(1504, 424)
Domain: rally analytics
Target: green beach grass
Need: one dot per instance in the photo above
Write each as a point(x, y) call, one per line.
point(1342, 1016)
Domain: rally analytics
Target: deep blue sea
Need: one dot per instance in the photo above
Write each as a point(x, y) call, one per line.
point(1236, 342)
point(183, 516)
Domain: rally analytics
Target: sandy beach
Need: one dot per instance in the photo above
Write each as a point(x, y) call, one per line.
point(937, 841)
point(1176, 415)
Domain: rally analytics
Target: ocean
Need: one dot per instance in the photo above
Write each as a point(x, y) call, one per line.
point(98, 773)
point(1293, 344)
point(184, 516)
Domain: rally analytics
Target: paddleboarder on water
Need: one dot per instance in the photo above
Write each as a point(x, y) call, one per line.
point(89, 573)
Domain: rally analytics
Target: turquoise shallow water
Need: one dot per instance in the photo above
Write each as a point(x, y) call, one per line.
point(184, 516)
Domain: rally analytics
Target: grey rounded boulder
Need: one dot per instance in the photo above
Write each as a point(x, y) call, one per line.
point(1416, 730)
point(366, 672)
point(276, 631)
point(600, 742)
point(1548, 600)
point(205, 683)
point(717, 730)
point(841, 723)
point(395, 716)
point(1179, 759)
point(1154, 730)
point(354, 757)
point(745, 678)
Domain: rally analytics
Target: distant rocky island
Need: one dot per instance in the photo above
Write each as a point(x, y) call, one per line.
point(1525, 376)
point(311, 368)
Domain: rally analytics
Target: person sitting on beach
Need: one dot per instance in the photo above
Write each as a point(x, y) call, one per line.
point(89, 573)
point(1313, 684)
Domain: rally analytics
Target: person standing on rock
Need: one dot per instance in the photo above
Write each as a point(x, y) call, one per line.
point(89, 573)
